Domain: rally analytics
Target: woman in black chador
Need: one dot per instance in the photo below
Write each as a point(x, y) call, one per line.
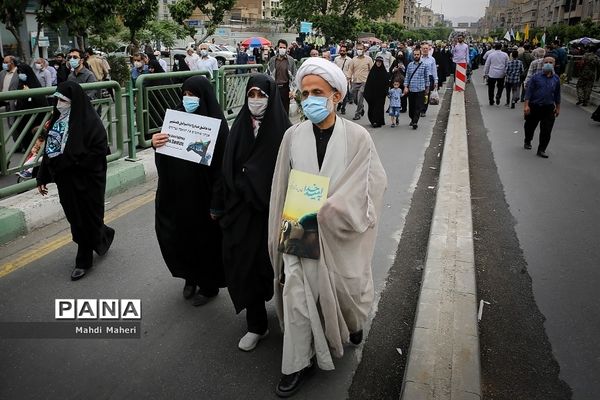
point(75, 158)
point(189, 200)
point(376, 91)
point(248, 167)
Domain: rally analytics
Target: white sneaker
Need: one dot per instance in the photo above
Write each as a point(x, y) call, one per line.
point(250, 340)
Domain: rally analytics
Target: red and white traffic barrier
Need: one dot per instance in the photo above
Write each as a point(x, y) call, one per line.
point(460, 80)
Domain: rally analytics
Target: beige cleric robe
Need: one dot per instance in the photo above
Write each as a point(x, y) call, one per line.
point(347, 225)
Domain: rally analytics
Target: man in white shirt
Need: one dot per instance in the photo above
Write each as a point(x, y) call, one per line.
point(343, 61)
point(495, 71)
point(162, 62)
point(192, 59)
point(387, 56)
point(460, 51)
point(206, 62)
point(429, 61)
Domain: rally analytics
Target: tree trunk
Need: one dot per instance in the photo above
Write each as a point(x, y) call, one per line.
point(20, 51)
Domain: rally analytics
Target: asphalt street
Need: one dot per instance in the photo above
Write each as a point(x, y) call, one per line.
point(551, 205)
point(184, 352)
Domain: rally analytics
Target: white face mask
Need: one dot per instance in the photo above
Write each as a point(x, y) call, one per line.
point(138, 64)
point(359, 52)
point(203, 53)
point(38, 66)
point(63, 106)
point(282, 51)
point(258, 106)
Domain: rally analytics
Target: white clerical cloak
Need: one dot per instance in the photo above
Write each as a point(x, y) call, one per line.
point(347, 222)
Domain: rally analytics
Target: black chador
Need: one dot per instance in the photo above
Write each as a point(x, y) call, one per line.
point(187, 194)
point(79, 171)
point(248, 167)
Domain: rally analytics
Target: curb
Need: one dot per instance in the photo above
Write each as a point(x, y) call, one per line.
point(29, 211)
point(443, 359)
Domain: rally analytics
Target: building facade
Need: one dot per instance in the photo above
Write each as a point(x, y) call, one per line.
point(516, 14)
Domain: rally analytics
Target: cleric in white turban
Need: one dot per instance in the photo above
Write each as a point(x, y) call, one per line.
point(323, 303)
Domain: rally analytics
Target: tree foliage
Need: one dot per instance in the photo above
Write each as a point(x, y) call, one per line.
point(136, 15)
point(164, 32)
point(214, 10)
point(336, 19)
point(12, 14)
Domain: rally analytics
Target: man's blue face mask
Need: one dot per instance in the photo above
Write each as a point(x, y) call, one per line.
point(316, 108)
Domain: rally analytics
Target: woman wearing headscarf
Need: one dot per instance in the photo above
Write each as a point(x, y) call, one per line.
point(189, 200)
point(248, 166)
point(28, 80)
point(75, 159)
point(376, 91)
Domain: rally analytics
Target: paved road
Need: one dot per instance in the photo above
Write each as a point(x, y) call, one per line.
point(554, 203)
point(185, 352)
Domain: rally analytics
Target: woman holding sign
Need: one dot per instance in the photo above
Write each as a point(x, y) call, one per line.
point(248, 166)
point(189, 201)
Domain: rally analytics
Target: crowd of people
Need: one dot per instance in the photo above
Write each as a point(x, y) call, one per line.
point(236, 203)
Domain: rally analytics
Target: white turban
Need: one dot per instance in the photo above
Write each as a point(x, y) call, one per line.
point(326, 70)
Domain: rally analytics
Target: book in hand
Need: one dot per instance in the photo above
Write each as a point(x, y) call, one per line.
point(299, 235)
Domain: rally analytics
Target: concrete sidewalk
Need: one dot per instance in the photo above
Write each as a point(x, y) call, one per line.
point(28, 211)
point(443, 360)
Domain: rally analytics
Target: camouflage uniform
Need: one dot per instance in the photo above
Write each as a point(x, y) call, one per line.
point(587, 77)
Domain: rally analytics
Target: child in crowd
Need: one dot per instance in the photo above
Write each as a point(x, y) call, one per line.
point(395, 94)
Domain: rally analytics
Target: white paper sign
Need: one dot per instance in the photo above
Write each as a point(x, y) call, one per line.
point(191, 137)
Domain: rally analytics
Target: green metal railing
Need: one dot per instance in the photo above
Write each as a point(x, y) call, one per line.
point(130, 119)
point(33, 120)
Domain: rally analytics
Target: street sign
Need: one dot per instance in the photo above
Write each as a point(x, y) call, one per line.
point(222, 32)
point(193, 22)
point(305, 27)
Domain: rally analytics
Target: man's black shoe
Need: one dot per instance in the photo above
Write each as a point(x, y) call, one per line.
point(415, 126)
point(78, 273)
point(200, 299)
point(356, 337)
point(290, 384)
point(578, 103)
point(498, 101)
point(343, 112)
point(542, 154)
point(512, 105)
point(527, 146)
point(189, 290)
point(356, 117)
point(491, 102)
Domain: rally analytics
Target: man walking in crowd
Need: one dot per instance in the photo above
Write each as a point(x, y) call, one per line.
point(241, 58)
point(62, 71)
point(323, 303)
point(460, 51)
point(514, 71)
point(9, 78)
point(207, 62)
point(343, 61)
point(96, 65)
point(494, 72)
point(42, 73)
point(282, 68)
point(536, 65)
point(526, 58)
point(162, 62)
point(192, 59)
point(80, 73)
point(587, 75)
point(386, 55)
point(561, 54)
point(416, 86)
point(139, 66)
point(542, 105)
point(429, 61)
point(357, 75)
